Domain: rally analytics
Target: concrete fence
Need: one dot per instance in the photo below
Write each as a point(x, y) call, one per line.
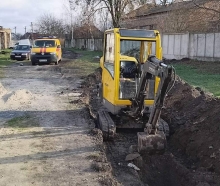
point(204, 47)
point(89, 44)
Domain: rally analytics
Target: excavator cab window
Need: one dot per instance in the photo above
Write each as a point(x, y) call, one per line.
point(128, 73)
point(138, 51)
point(109, 53)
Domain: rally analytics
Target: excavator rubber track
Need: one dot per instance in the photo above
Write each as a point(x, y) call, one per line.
point(106, 124)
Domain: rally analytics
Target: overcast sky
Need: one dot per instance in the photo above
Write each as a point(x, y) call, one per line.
point(21, 13)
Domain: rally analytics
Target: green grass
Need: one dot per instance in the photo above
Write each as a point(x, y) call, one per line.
point(201, 74)
point(5, 58)
point(86, 63)
point(88, 55)
point(22, 122)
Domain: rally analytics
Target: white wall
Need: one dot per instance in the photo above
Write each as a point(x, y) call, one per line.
point(195, 46)
point(205, 47)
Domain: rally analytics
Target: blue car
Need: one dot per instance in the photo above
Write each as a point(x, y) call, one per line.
point(21, 52)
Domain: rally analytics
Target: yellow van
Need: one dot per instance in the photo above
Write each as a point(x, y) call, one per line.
point(46, 50)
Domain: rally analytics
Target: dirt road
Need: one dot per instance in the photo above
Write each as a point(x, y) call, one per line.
point(44, 136)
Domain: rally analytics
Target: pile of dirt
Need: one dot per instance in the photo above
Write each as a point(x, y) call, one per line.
point(194, 118)
point(22, 96)
point(69, 54)
point(90, 91)
point(15, 99)
point(2, 90)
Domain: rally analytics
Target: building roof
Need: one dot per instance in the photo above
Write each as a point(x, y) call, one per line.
point(87, 31)
point(148, 9)
point(141, 10)
point(29, 35)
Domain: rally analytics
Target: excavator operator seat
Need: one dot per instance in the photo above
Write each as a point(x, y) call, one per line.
point(128, 69)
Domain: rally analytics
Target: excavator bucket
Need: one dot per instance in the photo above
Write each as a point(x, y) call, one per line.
point(151, 143)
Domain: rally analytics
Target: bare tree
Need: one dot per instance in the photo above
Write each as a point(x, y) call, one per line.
point(48, 24)
point(186, 17)
point(211, 5)
point(210, 11)
point(116, 8)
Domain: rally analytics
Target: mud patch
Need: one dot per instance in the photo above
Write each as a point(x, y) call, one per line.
point(70, 54)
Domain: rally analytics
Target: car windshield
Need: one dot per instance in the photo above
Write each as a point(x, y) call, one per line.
point(22, 47)
point(44, 43)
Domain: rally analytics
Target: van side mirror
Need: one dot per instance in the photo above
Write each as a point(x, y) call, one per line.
point(30, 46)
point(58, 46)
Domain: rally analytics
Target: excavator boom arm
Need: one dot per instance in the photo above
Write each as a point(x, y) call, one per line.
point(153, 67)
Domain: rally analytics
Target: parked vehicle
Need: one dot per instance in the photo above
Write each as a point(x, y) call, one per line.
point(21, 52)
point(46, 50)
point(24, 42)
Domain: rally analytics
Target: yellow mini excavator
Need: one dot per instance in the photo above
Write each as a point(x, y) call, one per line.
point(135, 82)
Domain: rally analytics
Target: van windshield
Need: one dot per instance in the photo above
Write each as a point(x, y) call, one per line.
point(22, 47)
point(44, 43)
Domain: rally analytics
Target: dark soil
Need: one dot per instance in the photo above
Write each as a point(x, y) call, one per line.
point(192, 157)
point(194, 121)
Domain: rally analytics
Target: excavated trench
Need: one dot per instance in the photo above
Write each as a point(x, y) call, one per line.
point(192, 156)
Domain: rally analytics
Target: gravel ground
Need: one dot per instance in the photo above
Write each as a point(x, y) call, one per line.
point(44, 137)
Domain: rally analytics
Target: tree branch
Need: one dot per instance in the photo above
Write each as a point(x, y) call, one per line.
point(206, 8)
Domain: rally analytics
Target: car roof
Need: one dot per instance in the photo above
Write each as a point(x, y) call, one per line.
point(47, 39)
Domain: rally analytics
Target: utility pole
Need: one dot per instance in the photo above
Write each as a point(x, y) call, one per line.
point(25, 32)
point(15, 29)
point(71, 29)
point(15, 33)
point(32, 31)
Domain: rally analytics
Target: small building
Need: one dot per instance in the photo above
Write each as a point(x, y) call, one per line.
point(87, 37)
point(5, 37)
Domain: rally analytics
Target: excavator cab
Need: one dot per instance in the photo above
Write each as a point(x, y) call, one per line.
point(124, 51)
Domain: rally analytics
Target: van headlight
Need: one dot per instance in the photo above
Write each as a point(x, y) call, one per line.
point(53, 53)
point(24, 54)
point(12, 54)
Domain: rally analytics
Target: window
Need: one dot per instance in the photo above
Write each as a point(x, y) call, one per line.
point(44, 43)
point(132, 48)
point(109, 48)
point(151, 27)
point(22, 47)
point(109, 53)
